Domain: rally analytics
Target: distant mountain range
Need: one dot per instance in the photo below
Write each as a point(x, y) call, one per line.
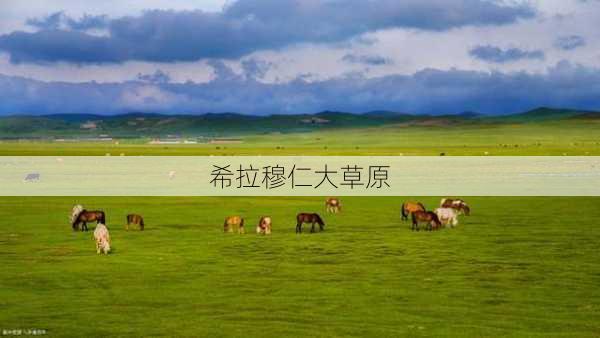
point(135, 125)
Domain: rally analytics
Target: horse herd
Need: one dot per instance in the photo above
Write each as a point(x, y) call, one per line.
point(80, 217)
point(447, 214)
point(236, 223)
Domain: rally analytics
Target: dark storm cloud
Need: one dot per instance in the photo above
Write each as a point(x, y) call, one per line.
point(242, 28)
point(498, 55)
point(60, 20)
point(427, 91)
point(569, 42)
point(51, 21)
point(60, 45)
point(88, 22)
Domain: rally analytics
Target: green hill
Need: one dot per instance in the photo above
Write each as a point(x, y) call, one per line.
point(135, 125)
point(543, 114)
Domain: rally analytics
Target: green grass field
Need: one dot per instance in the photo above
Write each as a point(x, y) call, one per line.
point(516, 267)
point(544, 138)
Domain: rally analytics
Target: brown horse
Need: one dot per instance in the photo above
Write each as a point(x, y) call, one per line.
point(264, 226)
point(135, 219)
point(232, 222)
point(457, 204)
point(432, 220)
point(309, 218)
point(411, 207)
point(88, 216)
point(333, 205)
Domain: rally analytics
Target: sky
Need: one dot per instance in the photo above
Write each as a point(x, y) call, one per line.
point(298, 56)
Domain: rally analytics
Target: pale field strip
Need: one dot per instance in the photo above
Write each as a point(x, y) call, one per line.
point(406, 176)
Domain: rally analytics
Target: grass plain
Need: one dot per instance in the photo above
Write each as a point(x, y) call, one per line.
point(553, 138)
point(516, 267)
point(519, 266)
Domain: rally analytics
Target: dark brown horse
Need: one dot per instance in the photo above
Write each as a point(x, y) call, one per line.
point(135, 219)
point(429, 217)
point(88, 216)
point(410, 207)
point(309, 218)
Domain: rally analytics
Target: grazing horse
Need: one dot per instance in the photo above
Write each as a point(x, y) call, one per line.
point(232, 222)
point(411, 207)
point(264, 226)
point(77, 209)
point(447, 216)
point(432, 220)
point(309, 218)
point(458, 204)
point(88, 216)
point(333, 205)
point(102, 238)
point(135, 219)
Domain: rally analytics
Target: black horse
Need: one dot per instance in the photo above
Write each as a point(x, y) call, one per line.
point(309, 218)
point(88, 216)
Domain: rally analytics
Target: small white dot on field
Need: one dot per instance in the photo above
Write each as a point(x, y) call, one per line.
point(107, 154)
point(122, 154)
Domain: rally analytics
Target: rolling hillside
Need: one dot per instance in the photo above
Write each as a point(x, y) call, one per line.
point(136, 125)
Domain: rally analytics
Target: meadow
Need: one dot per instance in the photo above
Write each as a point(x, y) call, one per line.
point(518, 266)
point(552, 138)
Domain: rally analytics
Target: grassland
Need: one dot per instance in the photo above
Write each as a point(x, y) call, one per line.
point(522, 267)
point(566, 137)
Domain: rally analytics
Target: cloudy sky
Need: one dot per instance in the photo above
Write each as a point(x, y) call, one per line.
point(298, 56)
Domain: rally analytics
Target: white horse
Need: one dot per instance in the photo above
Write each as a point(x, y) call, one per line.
point(264, 226)
point(447, 216)
point(458, 204)
point(333, 205)
point(102, 238)
point(77, 209)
